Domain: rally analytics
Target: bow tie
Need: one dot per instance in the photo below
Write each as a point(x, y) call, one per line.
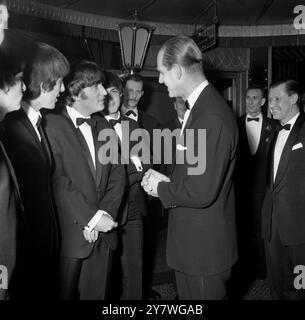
point(284, 127)
point(253, 119)
point(113, 122)
point(90, 121)
point(129, 112)
point(187, 105)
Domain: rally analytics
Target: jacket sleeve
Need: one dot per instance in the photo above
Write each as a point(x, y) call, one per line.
point(202, 189)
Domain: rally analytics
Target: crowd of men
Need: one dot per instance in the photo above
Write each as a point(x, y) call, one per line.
point(67, 216)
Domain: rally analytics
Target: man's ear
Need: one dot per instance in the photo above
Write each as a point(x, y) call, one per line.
point(294, 98)
point(177, 71)
point(42, 90)
point(263, 101)
point(142, 92)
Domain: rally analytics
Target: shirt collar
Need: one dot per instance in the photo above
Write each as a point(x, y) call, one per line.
point(125, 109)
point(110, 117)
point(293, 120)
point(74, 114)
point(31, 113)
point(195, 94)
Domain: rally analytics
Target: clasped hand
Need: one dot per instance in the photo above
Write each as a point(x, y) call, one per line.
point(151, 181)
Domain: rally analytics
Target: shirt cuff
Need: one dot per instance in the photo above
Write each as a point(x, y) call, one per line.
point(93, 222)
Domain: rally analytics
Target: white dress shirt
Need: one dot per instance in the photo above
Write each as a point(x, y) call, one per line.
point(280, 144)
point(254, 129)
point(86, 131)
point(33, 116)
point(191, 101)
point(118, 126)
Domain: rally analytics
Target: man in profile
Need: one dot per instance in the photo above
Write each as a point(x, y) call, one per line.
point(201, 240)
point(28, 149)
point(87, 192)
point(11, 214)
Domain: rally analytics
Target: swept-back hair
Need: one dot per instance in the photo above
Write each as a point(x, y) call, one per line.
point(183, 51)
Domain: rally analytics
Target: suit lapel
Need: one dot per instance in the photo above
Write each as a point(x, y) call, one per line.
point(140, 119)
point(98, 165)
point(284, 160)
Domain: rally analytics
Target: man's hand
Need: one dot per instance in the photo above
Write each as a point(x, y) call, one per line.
point(105, 223)
point(90, 236)
point(151, 180)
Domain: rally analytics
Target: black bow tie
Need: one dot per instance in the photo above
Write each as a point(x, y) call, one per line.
point(129, 112)
point(90, 121)
point(253, 119)
point(113, 122)
point(284, 127)
point(187, 105)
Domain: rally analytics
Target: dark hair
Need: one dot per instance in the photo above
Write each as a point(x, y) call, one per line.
point(112, 80)
point(291, 87)
point(134, 77)
point(183, 51)
point(44, 65)
point(8, 70)
point(257, 87)
point(83, 74)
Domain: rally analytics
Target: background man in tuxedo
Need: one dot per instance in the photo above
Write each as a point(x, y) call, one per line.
point(201, 241)
point(87, 193)
point(11, 215)
point(134, 206)
point(25, 141)
point(254, 130)
point(283, 217)
point(133, 92)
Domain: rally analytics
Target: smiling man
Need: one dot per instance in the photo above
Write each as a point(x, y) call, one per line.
point(87, 193)
point(26, 144)
point(283, 218)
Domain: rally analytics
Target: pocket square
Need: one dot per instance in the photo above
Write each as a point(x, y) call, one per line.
point(297, 146)
point(181, 147)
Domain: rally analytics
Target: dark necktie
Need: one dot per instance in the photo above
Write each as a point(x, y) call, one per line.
point(130, 112)
point(113, 122)
point(90, 121)
point(187, 105)
point(43, 141)
point(253, 119)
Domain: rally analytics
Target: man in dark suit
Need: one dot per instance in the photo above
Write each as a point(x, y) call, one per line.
point(133, 92)
point(135, 205)
point(25, 141)
point(254, 131)
point(87, 191)
point(11, 215)
point(201, 240)
point(283, 218)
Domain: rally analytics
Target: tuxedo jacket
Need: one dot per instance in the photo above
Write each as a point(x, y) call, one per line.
point(11, 215)
point(201, 228)
point(33, 171)
point(285, 198)
point(80, 190)
point(251, 169)
point(134, 197)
